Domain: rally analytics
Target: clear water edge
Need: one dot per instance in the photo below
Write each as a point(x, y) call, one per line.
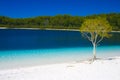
point(52, 56)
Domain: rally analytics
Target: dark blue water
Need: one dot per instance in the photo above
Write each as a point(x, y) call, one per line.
point(43, 39)
point(34, 47)
point(40, 39)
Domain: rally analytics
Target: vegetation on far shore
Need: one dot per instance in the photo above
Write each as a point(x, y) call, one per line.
point(57, 22)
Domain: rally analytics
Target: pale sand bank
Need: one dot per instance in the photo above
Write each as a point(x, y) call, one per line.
point(105, 69)
point(48, 29)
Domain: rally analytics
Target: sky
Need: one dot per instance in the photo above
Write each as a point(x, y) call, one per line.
point(32, 8)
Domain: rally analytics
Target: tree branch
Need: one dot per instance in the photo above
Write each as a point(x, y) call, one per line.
point(96, 38)
point(100, 40)
point(85, 34)
point(92, 38)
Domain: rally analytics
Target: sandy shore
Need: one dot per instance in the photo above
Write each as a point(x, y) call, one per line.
point(103, 69)
point(48, 29)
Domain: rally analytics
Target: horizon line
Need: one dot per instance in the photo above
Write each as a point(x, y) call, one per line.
point(62, 15)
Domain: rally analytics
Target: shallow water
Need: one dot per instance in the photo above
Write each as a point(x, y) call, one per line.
point(21, 48)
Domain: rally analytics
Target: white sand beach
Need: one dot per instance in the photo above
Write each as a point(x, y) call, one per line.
point(103, 69)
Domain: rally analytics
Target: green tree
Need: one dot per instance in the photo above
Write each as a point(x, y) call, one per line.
point(95, 30)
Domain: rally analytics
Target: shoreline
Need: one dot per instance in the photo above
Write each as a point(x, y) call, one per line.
point(84, 61)
point(101, 69)
point(47, 29)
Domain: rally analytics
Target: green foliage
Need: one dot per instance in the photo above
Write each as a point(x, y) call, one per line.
point(58, 21)
point(99, 26)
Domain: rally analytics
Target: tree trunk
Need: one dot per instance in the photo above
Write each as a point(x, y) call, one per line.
point(94, 51)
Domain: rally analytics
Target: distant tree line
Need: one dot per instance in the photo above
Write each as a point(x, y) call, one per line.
point(57, 22)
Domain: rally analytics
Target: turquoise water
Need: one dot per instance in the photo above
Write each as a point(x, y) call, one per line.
point(21, 48)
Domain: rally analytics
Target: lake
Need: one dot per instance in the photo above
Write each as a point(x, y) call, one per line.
point(21, 48)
